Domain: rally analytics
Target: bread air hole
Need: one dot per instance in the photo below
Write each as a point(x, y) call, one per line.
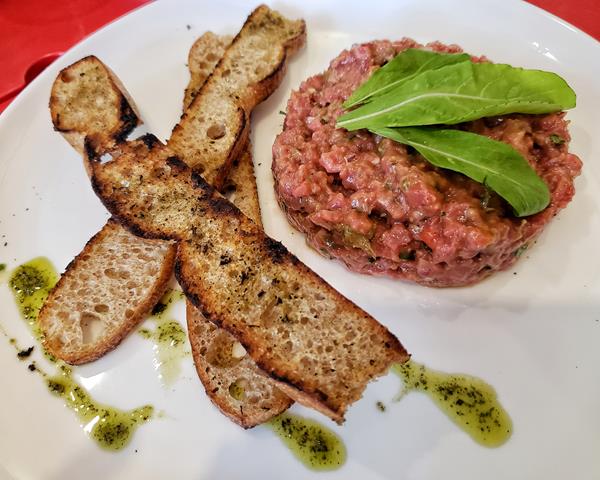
point(92, 327)
point(216, 131)
point(220, 352)
point(229, 191)
point(101, 308)
point(237, 389)
point(111, 273)
point(67, 77)
point(238, 351)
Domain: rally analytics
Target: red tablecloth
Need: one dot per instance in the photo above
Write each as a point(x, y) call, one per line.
point(584, 14)
point(35, 32)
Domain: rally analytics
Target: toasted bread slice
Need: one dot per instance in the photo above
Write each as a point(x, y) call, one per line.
point(230, 377)
point(112, 285)
point(105, 292)
point(88, 100)
point(240, 186)
point(320, 348)
point(204, 55)
point(57, 324)
point(214, 130)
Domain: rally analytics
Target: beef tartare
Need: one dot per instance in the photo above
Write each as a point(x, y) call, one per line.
point(382, 209)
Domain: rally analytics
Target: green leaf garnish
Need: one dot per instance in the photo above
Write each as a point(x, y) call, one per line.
point(401, 69)
point(495, 164)
point(461, 92)
point(419, 88)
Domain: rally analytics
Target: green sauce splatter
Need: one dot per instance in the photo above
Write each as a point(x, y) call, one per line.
point(170, 340)
point(31, 283)
point(110, 427)
point(468, 401)
point(314, 445)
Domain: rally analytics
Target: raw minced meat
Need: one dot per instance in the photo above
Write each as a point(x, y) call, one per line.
point(382, 209)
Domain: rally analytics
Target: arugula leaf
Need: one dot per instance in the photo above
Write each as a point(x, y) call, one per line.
point(495, 164)
point(402, 68)
point(462, 92)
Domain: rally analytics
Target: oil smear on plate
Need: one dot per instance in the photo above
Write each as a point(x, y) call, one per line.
point(109, 427)
point(468, 401)
point(170, 340)
point(31, 283)
point(317, 447)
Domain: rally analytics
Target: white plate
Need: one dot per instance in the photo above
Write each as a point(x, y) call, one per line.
point(532, 331)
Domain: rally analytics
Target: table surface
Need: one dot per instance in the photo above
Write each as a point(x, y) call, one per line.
point(33, 33)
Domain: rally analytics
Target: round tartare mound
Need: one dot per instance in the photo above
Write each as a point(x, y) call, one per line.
point(382, 209)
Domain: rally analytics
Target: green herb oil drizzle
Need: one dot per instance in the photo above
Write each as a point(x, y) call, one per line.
point(31, 283)
point(111, 428)
point(468, 401)
point(317, 447)
point(170, 340)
